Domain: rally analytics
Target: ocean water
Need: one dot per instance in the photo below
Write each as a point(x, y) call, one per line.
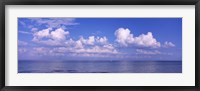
point(99, 66)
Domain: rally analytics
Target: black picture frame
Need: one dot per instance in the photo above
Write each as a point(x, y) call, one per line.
point(98, 2)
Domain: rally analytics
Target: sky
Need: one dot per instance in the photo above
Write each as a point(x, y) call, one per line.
point(130, 39)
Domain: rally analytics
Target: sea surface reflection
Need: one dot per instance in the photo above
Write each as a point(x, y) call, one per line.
point(99, 66)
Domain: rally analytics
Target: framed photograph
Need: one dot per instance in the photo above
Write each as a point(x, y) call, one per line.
point(137, 45)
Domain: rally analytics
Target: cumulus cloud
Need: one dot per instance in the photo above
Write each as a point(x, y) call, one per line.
point(125, 38)
point(59, 34)
point(91, 40)
point(90, 46)
point(50, 37)
point(42, 34)
point(168, 44)
point(146, 40)
point(102, 40)
point(88, 42)
point(79, 44)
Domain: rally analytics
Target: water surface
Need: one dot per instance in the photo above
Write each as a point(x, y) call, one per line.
point(99, 66)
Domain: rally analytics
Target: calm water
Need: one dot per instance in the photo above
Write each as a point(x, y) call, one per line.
point(99, 67)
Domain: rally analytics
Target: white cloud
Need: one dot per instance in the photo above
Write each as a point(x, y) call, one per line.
point(78, 44)
point(91, 40)
point(168, 44)
point(42, 34)
point(96, 49)
point(146, 40)
point(70, 42)
point(93, 51)
point(24, 32)
point(58, 38)
point(125, 38)
point(102, 40)
point(50, 37)
point(108, 46)
point(54, 22)
point(91, 46)
point(78, 48)
point(147, 52)
point(59, 34)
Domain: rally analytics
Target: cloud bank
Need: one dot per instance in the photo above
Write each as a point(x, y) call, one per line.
point(55, 40)
point(92, 45)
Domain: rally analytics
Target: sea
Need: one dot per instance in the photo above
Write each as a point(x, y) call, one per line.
point(27, 66)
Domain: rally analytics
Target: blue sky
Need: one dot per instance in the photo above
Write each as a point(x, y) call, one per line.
point(100, 39)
